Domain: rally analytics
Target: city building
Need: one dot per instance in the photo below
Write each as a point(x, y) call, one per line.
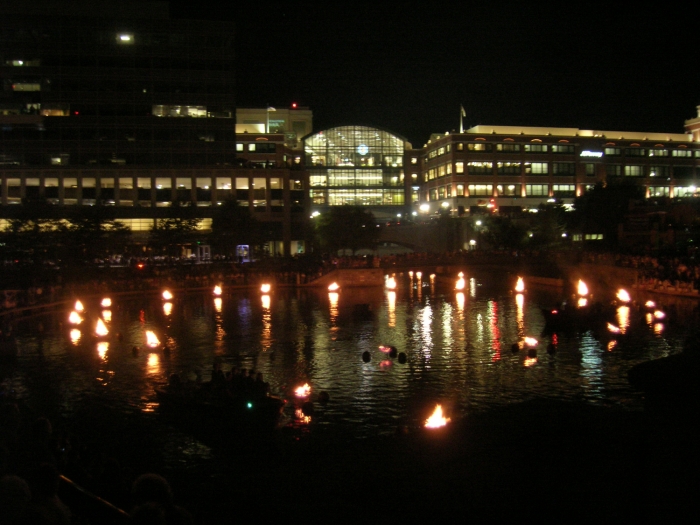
point(511, 168)
point(116, 104)
point(359, 166)
point(294, 122)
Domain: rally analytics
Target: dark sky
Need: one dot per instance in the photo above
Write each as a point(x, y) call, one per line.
point(626, 67)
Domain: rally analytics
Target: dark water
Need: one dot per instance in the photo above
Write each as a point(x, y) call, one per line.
point(458, 350)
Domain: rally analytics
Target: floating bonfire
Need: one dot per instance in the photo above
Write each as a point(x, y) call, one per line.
point(437, 418)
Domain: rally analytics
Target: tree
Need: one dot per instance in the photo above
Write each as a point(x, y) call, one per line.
point(548, 225)
point(169, 235)
point(603, 208)
point(347, 227)
point(504, 233)
point(233, 225)
point(92, 232)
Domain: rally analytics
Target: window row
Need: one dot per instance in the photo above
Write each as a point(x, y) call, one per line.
point(357, 197)
point(510, 190)
point(652, 152)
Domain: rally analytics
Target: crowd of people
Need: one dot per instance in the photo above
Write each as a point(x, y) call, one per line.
point(37, 464)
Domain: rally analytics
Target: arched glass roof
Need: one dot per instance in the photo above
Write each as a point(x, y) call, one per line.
point(359, 146)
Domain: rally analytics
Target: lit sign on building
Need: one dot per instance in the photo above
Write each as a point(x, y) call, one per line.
point(587, 153)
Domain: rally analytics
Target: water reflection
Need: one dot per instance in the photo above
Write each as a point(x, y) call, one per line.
point(452, 344)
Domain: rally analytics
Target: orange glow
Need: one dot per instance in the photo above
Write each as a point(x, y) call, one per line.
point(265, 288)
point(75, 336)
point(520, 285)
point(391, 283)
point(79, 306)
point(650, 304)
point(582, 288)
point(153, 363)
point(265, 302)
point(437, 419)
point(531, 341)
point(151, 339)
point(658, 314)
point(419, 275)
point(530, 361)
point(102, 348)
point(461, 283)
point(623, 318)
point(101, 329)
point(582, 302)
point(461, 299)
point(107, 315)
point(301, 417)
point(612, 328)
point(385, 349)
point(623, 296)
point(611, 344)
point(333, 287)
point(303, 391)
point(658, 328)
point(167, 308)
point(106, 302)
point(74, 318)
point(217, 304)
point(167, 295)
point(217, 290)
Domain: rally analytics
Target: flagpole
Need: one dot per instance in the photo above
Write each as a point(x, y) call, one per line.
point(461, 116)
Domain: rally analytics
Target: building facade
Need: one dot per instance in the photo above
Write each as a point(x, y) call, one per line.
point(508, 168)
point(358, 166)
point(115, 104)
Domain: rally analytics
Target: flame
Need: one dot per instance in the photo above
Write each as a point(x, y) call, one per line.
point(106, 302)
point(623, 296)
point(612, 328)
point(303, 418)
point(79, 306)
point(582, 302)
point(333, 287)
point(582, 288)
point(74, 318)
point(520, 286)
point(303, 391)
point(265, 288)
point(419, 275)
point(391, 283)
point(151, 339)
point(167, 295)
point(437, 419)
point(75, 336)
point(658, 314)
point(461, 283)
point(650, 304)
point(265, 301)
point(217, 290)
point(385, 349)
point(167, 308)
point(102, 348)
point(101, 328)
point(611, 344)
point(531, 341)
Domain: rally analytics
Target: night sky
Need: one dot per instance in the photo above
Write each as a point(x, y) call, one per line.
point(408, 67)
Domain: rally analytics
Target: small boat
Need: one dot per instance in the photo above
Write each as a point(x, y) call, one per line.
point(210, 409)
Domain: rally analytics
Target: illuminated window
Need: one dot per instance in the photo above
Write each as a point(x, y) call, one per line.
point(681, 153)
point(658, 153)
point(535, 148)
point(479, 147)
point(509, 190)
point(26, 86)
point(480, 190)
point(508, 168)
point(536, 190)
point(480, 168)
point(634, 171)
point(563, 190)
point(612, 151)
point(659, 171)
point(563, 148)
point(459, 167)
point(536, 168)
point(460, 190)
point(659, 191)
point(508, 147)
